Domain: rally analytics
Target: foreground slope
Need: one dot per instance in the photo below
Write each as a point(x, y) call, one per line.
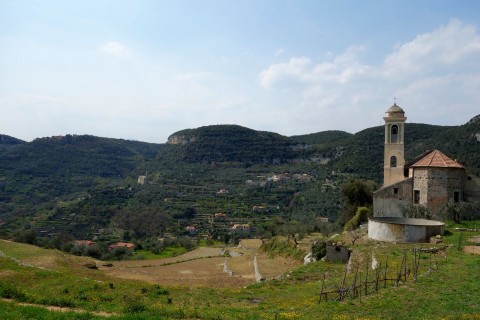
point(448, 287)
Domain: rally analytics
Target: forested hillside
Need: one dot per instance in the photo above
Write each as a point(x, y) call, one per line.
point(87, 186)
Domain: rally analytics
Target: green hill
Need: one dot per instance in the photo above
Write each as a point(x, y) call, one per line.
point(7, 140)
point(231, 143)
point(322, 137)
point(83, 184)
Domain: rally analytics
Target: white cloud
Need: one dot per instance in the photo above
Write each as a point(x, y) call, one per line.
point(279, 52)
point(449, 47)
point(295, 70)
point(431, 75)
point(116, 49)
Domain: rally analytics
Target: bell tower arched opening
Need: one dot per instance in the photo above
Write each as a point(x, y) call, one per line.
point(393, 161)
point(394, 134)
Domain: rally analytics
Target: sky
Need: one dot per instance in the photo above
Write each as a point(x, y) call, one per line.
point(142, 70)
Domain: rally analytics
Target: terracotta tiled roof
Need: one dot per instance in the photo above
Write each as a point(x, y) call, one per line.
point(84, 243)
point(435, 158)
point(127, 245)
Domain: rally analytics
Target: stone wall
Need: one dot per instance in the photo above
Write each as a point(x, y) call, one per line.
point(438, 185)
point(389, 201)
point(338, 253)
point(472, 188)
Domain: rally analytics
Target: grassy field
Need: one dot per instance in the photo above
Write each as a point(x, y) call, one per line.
point(46, 284)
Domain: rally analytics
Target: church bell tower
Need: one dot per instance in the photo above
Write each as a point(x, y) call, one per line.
point(394, 159)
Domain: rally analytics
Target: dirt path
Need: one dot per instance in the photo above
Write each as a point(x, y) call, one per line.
point(472, 249)
point(60, 309)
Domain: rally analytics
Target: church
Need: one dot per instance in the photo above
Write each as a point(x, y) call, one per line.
point(431, 180)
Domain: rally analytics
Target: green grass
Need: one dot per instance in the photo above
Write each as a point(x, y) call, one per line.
point(166, 253)
point(450, 292)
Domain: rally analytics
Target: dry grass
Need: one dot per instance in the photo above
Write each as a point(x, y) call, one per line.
point(204, 267)
point(472, 249)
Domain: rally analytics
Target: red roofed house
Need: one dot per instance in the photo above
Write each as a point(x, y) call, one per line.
point(127, 245)
point(241, 227)
point(220, 215)
point(431, 180)
point(84, 243)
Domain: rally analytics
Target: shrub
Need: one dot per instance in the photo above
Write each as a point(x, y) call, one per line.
point(157, 290)
point(319, 249)
point(134, 305)
point(360, 217)
point(9, 292)
point(58, 301)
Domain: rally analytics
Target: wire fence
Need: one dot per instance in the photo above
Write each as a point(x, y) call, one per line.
point(358, 284)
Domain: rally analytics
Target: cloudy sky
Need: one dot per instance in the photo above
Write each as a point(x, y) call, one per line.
point(143, 70)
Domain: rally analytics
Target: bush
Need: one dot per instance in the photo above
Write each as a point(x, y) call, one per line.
point(9, 292)
point(319, 249)
point(134, 305)
point(157, 290)
point(25, 236)
point(281, 247)
point(359, 218)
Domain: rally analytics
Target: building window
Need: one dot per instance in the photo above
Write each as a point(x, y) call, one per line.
point(394, 134)
point(456, 196)
point(416, 196)
point(395, 190)
point(393, 161)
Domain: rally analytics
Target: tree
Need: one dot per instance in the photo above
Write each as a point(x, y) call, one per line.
point(25, 236)
point(459, 211)
point(356, 193)
point(360, 217)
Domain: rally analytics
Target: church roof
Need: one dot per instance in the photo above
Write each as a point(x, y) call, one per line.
point(395, 109)
point(435, 158)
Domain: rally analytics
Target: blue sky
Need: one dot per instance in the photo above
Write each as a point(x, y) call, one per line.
point(143, 70)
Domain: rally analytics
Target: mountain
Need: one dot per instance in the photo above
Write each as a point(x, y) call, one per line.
point(232, 143)
point(458, 142)
point(322, 137)
point(87, 185)
point(7, 140)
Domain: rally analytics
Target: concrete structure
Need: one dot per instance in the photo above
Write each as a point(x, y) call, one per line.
point(338, 253)
point(394, 229)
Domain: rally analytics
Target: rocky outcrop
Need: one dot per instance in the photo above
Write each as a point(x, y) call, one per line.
point(180, 139)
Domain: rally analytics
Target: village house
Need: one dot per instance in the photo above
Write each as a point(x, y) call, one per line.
point(259, 208)
point(241, 227)
point(126, 245)
point(220, 216)
point(142, 180)
point(191, 229)
point(87, 243)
